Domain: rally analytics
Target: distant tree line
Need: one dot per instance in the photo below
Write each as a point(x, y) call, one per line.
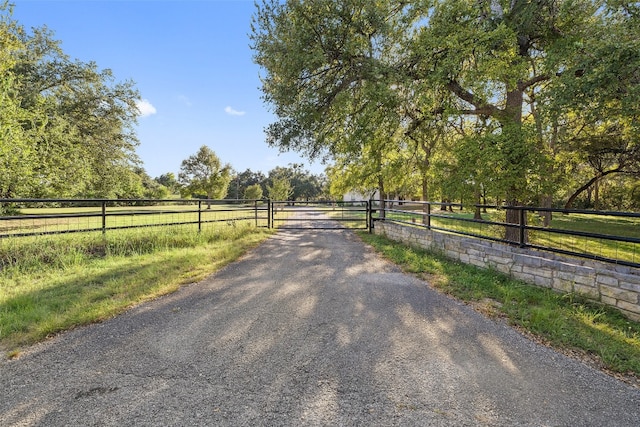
point(204, 175)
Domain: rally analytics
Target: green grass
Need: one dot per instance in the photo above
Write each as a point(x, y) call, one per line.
point(613, 226)
point(589, 223)
point(126, 216)
point(566, 322)
point(50, 284)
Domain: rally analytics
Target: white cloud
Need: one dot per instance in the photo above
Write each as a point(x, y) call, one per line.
point(145, 108)
point(233, 112)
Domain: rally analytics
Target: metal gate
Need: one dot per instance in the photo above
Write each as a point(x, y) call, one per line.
point(355, 215)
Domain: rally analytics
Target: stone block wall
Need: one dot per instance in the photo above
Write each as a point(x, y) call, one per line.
point(611, 284)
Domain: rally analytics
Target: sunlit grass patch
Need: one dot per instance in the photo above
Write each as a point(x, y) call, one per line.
point(585, 223)
point(55, 283)
point(193, 214)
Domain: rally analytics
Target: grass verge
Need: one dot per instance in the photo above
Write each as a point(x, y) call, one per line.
point(50, 284)
point(598, 335)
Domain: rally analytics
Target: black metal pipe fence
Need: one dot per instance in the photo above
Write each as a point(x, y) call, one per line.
point(600, 235)
point(30, 217)
point(320, 214)
point(607, 236)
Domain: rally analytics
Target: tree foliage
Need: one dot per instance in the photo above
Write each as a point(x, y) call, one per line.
point(66, 127)
point(241, 181)
point(280, 189)
point(253, 192)
point(204, 174)
point(169, 181)
point(502, 96)
point(304, 185)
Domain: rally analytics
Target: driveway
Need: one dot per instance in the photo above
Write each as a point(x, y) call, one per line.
point(310, 328)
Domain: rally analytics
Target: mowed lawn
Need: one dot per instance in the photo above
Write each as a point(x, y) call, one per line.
point(585, 223)
point(70, 219)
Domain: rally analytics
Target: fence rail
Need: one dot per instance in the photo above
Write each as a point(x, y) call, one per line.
point(600, 235)
point(321, 214)
point(30, 217)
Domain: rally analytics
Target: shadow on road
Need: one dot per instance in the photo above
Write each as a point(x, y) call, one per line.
point(311, 328)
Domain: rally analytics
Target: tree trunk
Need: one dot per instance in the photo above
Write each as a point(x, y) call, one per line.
point(547, 216)
point(513, 110)
point(512, 232)
point(484, 200)
point(425, 198)
point(381, 197)
point(580, 190)
point(476, 213)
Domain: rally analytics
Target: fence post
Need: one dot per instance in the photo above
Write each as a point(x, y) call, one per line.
point(522, 223)
point(104, 217)
point(199, 216)
point(370, 216)
point(255, 210)
point(428, 224)
point(269, 207)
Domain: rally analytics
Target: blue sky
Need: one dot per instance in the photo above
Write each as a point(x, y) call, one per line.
point(192, 64)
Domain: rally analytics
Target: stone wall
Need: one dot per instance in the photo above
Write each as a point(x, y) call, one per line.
point(611, 284)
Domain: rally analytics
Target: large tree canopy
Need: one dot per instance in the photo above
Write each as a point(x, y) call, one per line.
point(67, 126)
point(507, 76)
point(326, 67)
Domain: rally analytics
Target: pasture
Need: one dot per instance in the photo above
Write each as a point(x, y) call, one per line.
point(105, 216)
point(588, 234)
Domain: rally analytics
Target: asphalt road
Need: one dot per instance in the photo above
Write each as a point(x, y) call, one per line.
point(311, 328)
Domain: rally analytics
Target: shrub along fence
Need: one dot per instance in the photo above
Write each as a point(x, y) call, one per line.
point(30, 217)
point(607, 244)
